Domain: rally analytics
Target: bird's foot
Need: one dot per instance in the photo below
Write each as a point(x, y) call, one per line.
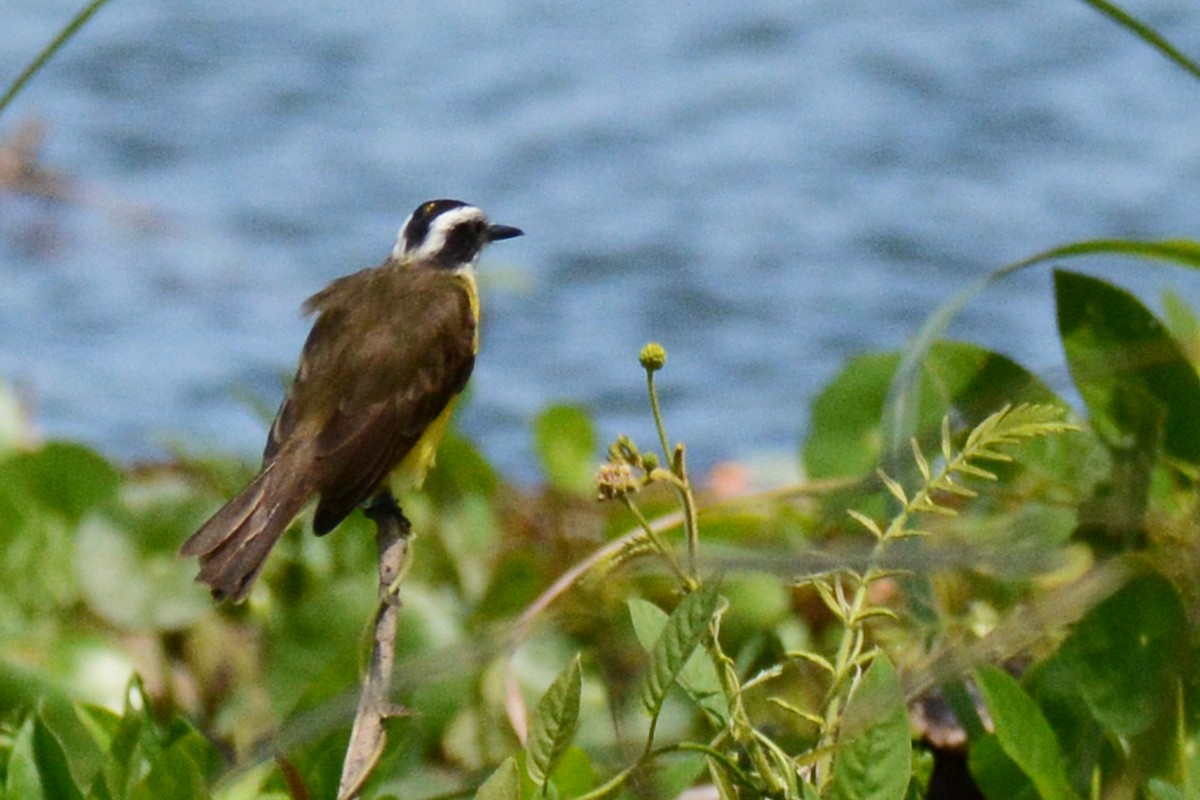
point(384, 507)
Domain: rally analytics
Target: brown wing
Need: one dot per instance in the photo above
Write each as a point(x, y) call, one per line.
point(388, 351)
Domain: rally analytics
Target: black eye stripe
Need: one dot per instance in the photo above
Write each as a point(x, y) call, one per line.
point(462, 243)
point(422, 219)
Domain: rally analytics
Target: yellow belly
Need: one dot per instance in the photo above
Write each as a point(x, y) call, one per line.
point(410, 473)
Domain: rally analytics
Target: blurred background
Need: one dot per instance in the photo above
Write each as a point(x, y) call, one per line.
point(764, 187)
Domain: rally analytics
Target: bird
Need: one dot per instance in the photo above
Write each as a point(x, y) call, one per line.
point(390, 349)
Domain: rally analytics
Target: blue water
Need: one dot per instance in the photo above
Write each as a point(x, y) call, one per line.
point(765, 187)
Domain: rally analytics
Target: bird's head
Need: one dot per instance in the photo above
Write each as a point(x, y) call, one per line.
point(448, 233)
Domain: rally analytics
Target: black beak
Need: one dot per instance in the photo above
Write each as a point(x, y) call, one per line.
point(497, 232)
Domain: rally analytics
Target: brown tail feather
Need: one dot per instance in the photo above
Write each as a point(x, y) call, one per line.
point(233, 545)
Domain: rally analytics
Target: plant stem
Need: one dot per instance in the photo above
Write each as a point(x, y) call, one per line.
point(691, 523)
point(658, 420)
point(49, 50)
point(662, 547)
point(679, 470)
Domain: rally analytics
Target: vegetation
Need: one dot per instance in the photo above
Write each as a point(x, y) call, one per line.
point(964, 539)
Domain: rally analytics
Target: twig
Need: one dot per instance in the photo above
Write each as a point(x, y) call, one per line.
point(367, 736)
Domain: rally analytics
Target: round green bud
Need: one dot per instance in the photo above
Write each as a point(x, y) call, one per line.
point(649, 462)
point(653, 357)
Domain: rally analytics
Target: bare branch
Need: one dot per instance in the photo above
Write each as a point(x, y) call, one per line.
point(367, 737)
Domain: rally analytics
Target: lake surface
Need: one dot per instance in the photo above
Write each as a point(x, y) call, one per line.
point(767, 188)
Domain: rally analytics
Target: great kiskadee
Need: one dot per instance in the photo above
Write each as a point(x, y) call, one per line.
point(391, 348)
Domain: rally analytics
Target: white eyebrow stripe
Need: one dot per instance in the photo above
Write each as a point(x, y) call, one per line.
point(439, 229)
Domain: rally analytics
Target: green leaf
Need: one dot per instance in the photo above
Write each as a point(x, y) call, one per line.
point(1129, 654)
point(503, 784)
point(903, 404)
point(193, 744)
point(1023, 733)
point(23, 779)
point(52, 764)
point(461, 470)
point(698, 677)
point(554, 723)
point(685, 629)
point(996, 775)
point(1181, 321)
point(574, 775)
point(67, 478)
point(99, 722)
point(873, 760)
point(1130, 372)
point(1158, 789)
point(846, 436)
point(38, 766)
point(648, 621)
point(246, 783)
point(173, 774)
point(566, 443)
point(120, 768)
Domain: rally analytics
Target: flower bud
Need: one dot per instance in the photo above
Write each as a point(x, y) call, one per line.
point(653, 357)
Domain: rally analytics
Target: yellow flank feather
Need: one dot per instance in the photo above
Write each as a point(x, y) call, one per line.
point(410, 473)
point(467, 276)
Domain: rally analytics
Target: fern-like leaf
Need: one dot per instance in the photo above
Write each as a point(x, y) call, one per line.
point(893, 486)
point(919, 457)
point(866, 522)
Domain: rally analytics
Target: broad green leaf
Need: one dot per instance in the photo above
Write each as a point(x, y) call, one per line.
point(844, 432)
point(996, 775)
point(685, 629)
point(1130, 372)
point(120, 768)
point(1129, 654)
point(698, 677)
point(193, 744)
point(873, 760)
point(1182, 322)
point(53, 768)
point(24, 779)
point(461, 469)
point(554, 723)
point(503, 784)
point(43, 495)
point(566, 443)
point(1023, 733)
point(247, 784)
point(923, 763)
point(173, 774)
point(574, 775)
point(903, 405)
point(648, 621)
point(846, 436)
point(977, 382)
point(67, 478)
point(38, 766)
point(1158, 789)
point(672, 777)
point(99, 722)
